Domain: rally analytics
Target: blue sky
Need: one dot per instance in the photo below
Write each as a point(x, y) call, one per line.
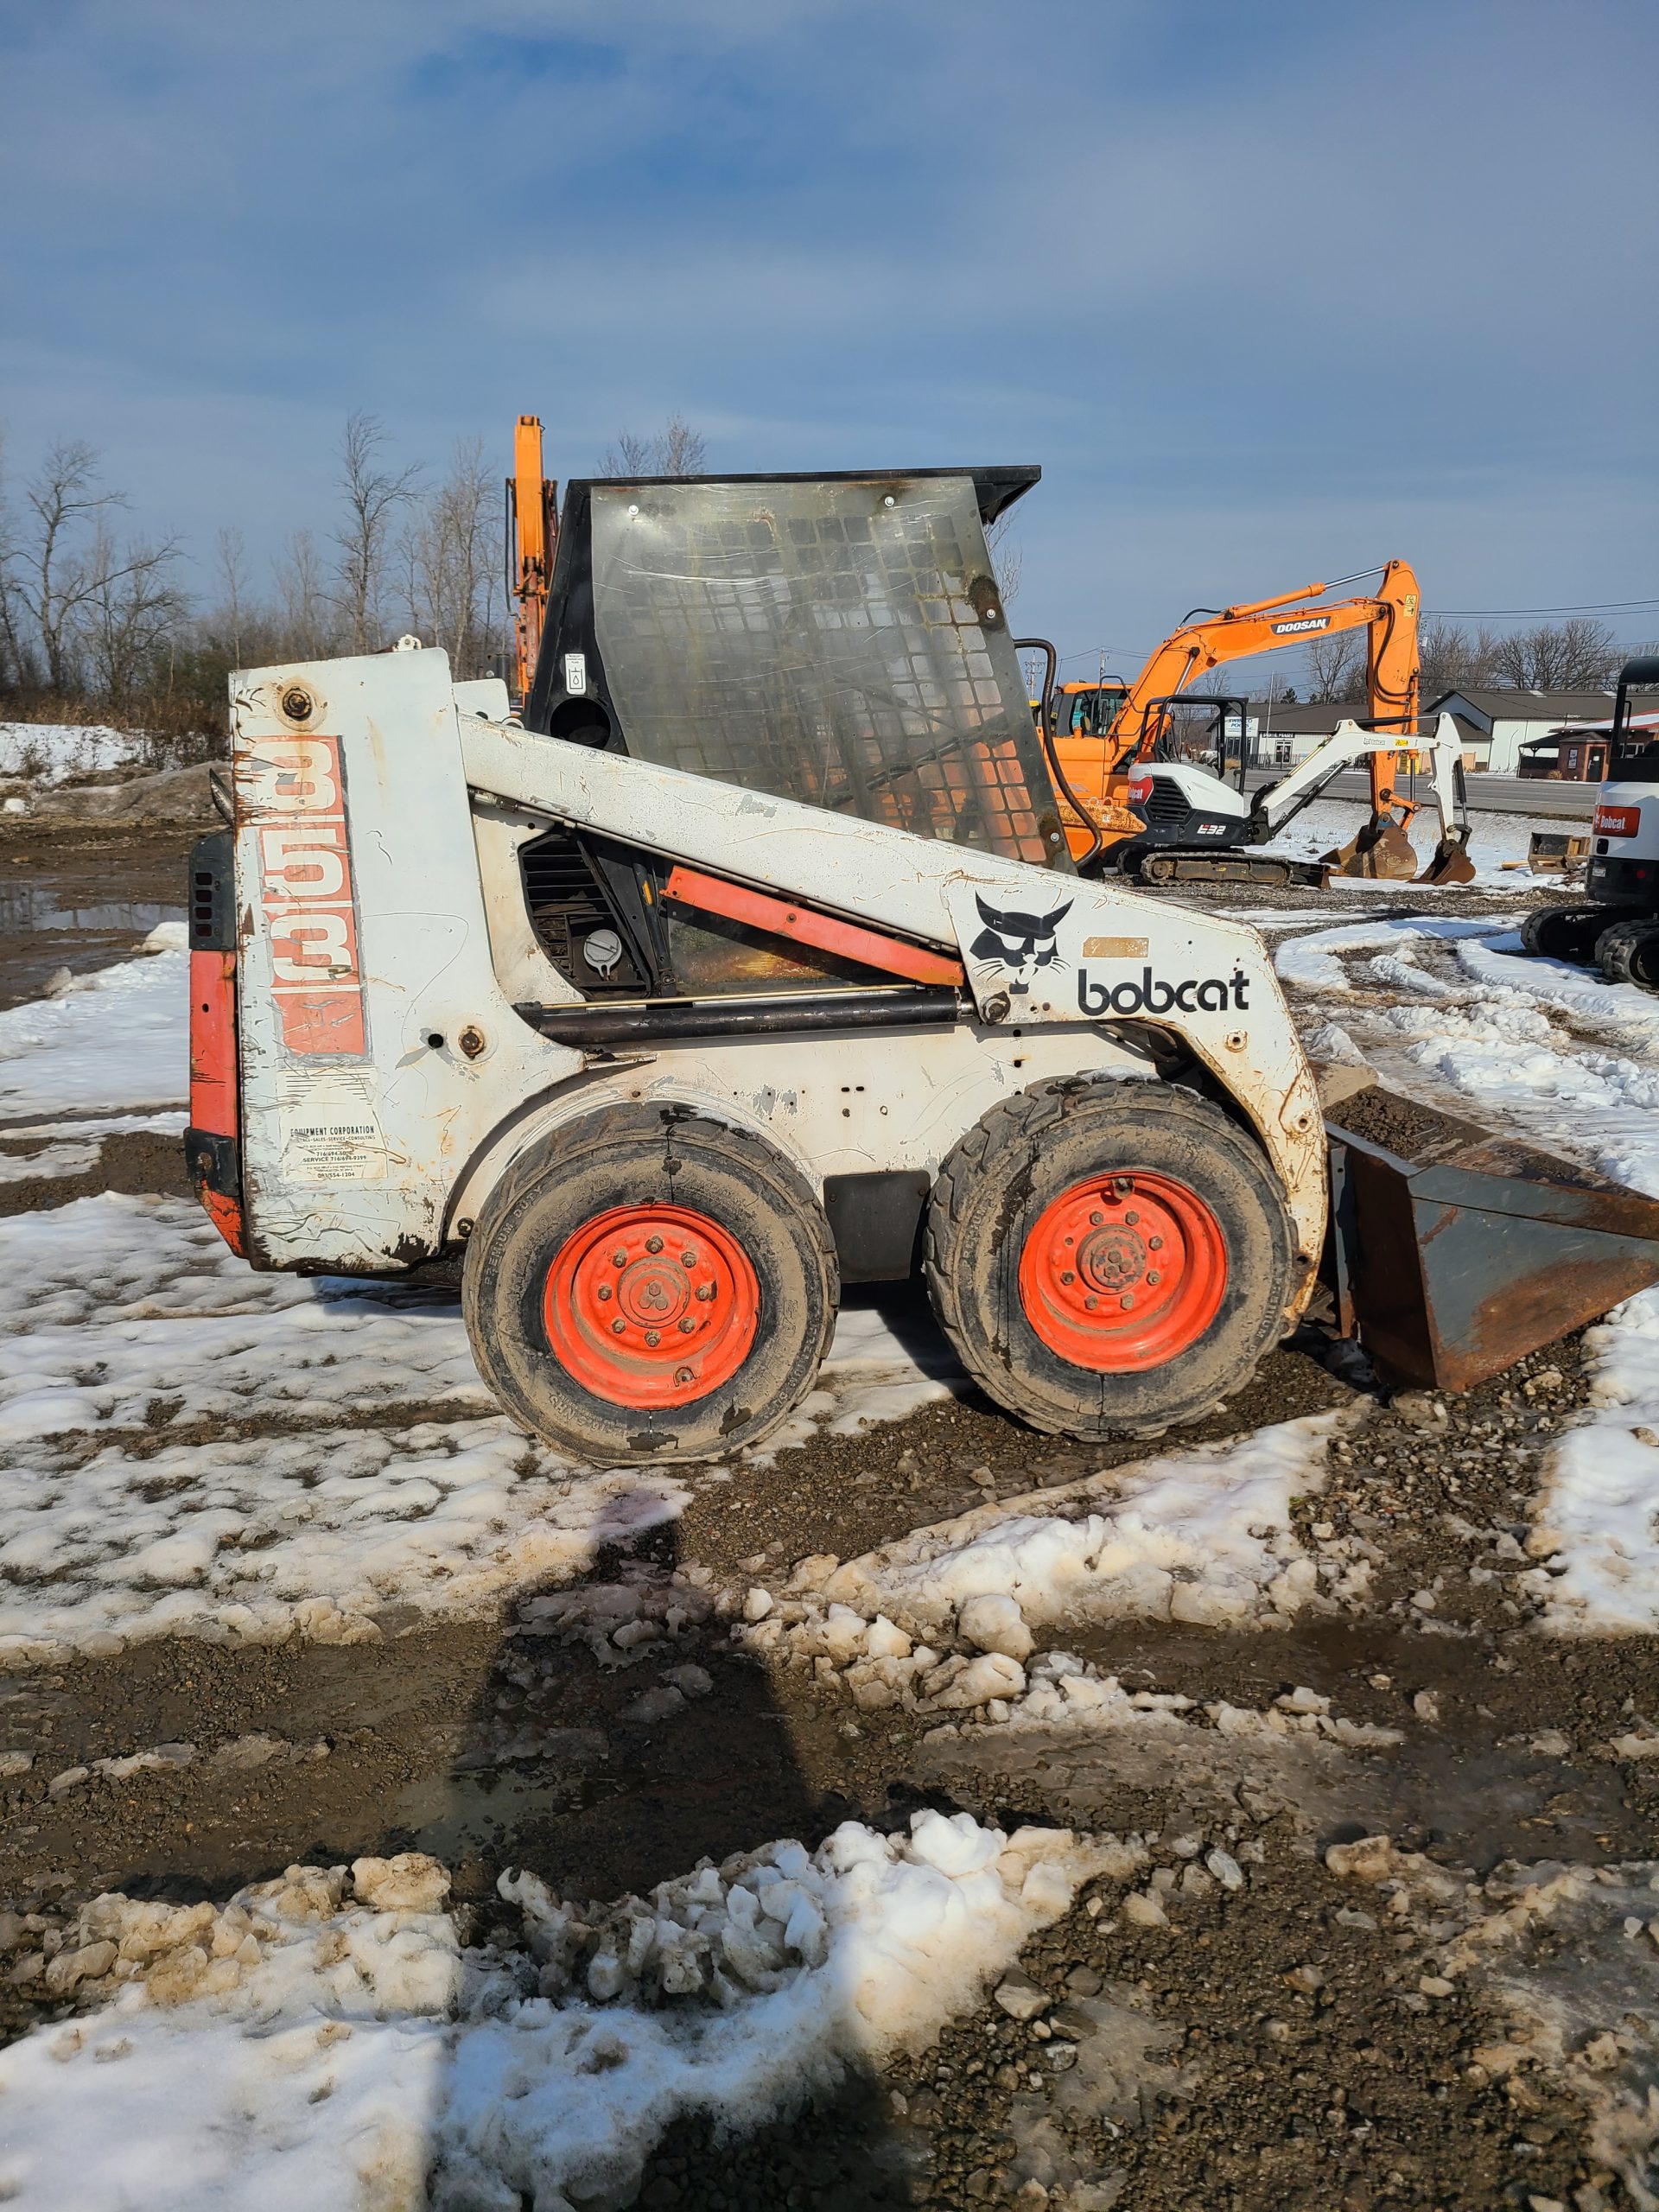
point(1271, 291)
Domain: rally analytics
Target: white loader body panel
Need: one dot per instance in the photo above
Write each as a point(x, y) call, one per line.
point(386, 1080)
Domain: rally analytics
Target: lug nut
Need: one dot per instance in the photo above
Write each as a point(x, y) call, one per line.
point(653, 1243)
point(1154, 1243)
point(1068, 1276)
point(1127, 1300)
point(1153, 1277)
point(651, 1338)
point(1131, 1217)
point(618, 1326)
point(705, 1290)
point(1093, 1304)
point(604, 1291)
point(688, 1259)
point(682, 1375)
point(687, 1325)
point(619, 1259)
point(1094, 1220)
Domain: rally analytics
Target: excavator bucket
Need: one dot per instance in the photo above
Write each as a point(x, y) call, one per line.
point(1449, 863)
point(1382, 849)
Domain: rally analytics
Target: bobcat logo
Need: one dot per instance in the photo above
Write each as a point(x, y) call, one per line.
point(1024, 942)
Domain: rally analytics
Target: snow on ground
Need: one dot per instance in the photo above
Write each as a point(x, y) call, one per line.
point(129, 1320)
point(117, 1039)
point(1203, 1535)
point(325, 2037)
point(72, 1147)
point(47, 752)
point(1517, 1042)
point(1596, 1521)
point(1313, 962)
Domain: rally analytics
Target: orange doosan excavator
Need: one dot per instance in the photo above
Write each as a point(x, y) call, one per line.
point(1129, 805)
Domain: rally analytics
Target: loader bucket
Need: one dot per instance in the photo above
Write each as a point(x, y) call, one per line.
point(1380, 849)
point(1455, 1252)
point(1449, 863)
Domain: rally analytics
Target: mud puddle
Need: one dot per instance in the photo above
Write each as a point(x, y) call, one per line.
point(81, 896)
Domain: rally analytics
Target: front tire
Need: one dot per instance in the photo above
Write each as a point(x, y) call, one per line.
point(1108, 1257)
point(647, 1284)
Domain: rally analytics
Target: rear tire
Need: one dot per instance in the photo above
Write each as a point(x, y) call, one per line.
point(1563, 932)
point(646, 1284)
point(1629, 953)
point(1184, 1248)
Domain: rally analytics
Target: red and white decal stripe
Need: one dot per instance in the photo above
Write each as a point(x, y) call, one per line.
point(298, 801)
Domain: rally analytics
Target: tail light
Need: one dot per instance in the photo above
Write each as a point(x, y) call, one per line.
point(211, 1143)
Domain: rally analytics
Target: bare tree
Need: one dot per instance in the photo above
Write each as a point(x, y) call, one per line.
point(130, 609)
point(1336, 667)
point(230, 559)
point(49, 573)
point(1455, 660)
point(372, 494)
point(14, 654)
point(1579, 655)
point(1008, 558)
point(307, 610)
point(451, 566)
point(676, 450)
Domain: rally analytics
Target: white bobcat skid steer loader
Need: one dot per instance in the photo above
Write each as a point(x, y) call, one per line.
point(736, 971)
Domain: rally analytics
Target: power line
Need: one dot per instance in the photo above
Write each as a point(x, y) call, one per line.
point(1517, 614)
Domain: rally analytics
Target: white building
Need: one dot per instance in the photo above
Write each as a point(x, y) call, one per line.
point(1494, 725)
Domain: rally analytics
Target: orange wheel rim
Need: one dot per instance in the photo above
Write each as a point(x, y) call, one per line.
point(1121, 1273)
point(652, 1305)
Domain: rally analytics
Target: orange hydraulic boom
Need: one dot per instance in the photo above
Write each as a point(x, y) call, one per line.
point(533, 530)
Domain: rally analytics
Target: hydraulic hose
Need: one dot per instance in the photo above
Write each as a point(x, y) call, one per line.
point(1046, 730)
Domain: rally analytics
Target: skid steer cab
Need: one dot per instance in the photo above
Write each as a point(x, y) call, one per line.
point(748, 962)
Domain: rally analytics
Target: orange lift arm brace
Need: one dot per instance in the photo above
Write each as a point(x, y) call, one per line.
point(1099, 769)
point(532, 532)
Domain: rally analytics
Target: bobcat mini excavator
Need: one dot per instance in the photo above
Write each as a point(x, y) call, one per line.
point(1129, 807)
point(750, 961)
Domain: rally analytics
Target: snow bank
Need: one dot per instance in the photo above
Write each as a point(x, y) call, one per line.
point(49, 751)
point(325, 2040)
point(1201, 1536)
point(1499, 965)
point(119, 1039)
point(1595, 1521)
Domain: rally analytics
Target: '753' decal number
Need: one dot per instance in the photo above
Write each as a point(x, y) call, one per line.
point(295, 798)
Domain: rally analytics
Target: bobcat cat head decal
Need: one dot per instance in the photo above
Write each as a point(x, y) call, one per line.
point(1023, 943)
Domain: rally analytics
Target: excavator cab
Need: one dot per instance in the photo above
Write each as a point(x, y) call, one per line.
point(1087, 709)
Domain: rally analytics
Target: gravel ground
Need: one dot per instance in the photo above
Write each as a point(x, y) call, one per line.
point(1244, 2025)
